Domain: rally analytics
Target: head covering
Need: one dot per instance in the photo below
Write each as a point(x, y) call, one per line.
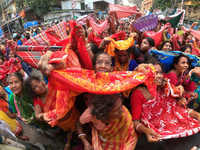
point(14, 35)
point(120, 45)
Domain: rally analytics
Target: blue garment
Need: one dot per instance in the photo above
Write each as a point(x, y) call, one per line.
point(168, 36)
point(19, 42)
point(132, 64)
point(8, 91)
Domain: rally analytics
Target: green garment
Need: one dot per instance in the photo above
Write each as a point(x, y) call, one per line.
point(174, 21)
point(26, 109)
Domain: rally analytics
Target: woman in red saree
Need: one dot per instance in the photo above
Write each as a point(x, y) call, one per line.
point(161, 117)
point(112, 126)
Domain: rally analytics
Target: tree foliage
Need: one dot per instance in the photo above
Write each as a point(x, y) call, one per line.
point(40, 7)
point(161, 4)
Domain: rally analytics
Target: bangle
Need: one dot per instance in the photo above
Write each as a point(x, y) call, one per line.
point(190, 111)
point(190, 72)
point(138, 126)
point(67, 145)
point(40, 117)
point(81, 135)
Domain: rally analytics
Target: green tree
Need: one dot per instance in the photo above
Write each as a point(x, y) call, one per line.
point(161, 4)
point(40, 7)
point(194, 3)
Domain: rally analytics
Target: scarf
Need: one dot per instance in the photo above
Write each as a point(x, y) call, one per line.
point(123, 11)
point(157, 36)
point(118, 135)
point(120, 45)
point(98, 28)
point(97, 41)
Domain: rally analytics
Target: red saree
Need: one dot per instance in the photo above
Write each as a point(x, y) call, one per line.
point(169, 119)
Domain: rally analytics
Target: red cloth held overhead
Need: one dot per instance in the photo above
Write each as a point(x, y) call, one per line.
point(79, 45)
point(123, 11)
point(98, 28)
point(157, 36)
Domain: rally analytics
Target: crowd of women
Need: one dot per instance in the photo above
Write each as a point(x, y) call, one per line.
point(104, 88)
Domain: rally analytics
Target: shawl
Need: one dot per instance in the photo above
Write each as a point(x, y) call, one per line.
point(123, 11)
point(10, 66)
point(169, 119)
point(118, 135)
point(167, 58)
point(82, 20)
point(195, 33)
point(157, 36)
point(97, 41)
point(120, 45)
point(194, 77)
point(98, 28)
point(174, 41)
point(44, 38)
point(174, 21)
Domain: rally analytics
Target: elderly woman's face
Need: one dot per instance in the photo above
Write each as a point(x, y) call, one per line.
point(103, 63)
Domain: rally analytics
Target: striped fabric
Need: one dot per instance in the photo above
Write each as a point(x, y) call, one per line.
point(118, 135)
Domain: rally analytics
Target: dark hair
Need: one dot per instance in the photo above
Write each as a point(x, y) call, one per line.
point(2, 58)
point(150, 59)
point(28, 88)
point(165, 43)
point(102, 104)
point(18, 37)
point(185, 47)
point(176, 60)
point(151, 41)
point(129, 50)
point(27, 36)
point(96, 56)
point(18, 75)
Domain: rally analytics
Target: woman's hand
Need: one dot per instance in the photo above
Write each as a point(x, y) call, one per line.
point(88, 146)
point(89, 30)
point(196, 70)
point(182, 101)
point(81, 32)
point(105, 42)
point(164, 83)
point(24, 120)
point(152, 136)
point(47, 120)
point(53, 32)
point(143, 68)
point(181, 89)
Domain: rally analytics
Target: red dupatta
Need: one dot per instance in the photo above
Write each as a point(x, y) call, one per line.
point(79, 45)
point(97, 41)
point(157, 36)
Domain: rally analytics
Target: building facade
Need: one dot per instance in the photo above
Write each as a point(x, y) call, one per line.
point(146, 5)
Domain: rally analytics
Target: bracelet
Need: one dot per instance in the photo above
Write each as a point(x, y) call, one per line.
point(190, 72)
point(190, 111)
point(138, 126)
point(40, 117)
point(67, 145)
point(81, 135)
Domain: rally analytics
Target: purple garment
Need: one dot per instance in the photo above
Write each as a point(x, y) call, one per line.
point(7, 52)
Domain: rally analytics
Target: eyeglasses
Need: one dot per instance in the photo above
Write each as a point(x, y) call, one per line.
point(106, 63)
